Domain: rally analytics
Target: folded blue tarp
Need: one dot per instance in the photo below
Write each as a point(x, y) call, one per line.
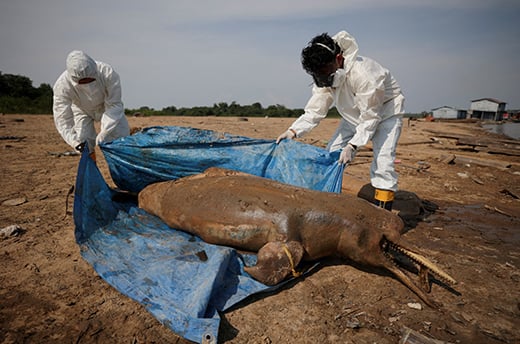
point(165, 269)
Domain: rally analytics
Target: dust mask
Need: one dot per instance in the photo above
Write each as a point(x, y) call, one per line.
point(339, 77)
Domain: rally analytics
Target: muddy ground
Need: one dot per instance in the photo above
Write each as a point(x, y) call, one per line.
point(49, 294)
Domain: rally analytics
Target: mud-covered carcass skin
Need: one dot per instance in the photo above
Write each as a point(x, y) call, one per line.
point(285, 224)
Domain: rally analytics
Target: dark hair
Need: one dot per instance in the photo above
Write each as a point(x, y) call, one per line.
point(315, 55)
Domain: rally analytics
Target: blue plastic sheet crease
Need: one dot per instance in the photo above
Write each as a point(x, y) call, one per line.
point(181, 280)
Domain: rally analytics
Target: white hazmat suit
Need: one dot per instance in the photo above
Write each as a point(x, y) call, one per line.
point(371, 105)
point(77, 106)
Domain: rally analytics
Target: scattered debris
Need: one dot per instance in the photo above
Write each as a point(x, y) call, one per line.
point(14, 138)
point(497, 210)
point(464, 160)
point(477, 180)
point(500, 336)
point(410, 336)
point(462, 175)
point(466, 317)
point(422, 166)
point(12, 230)
point(447, 329)
point(509, 265)
point(457, 318)
point(15, 201)
point(68, 153)
point(67, 212)
point(414, 305)
point(266, 340)
point(353, 321)
point(346, 312)
point(432, 140)
point(393, 319)
point(510, 193)
point(448, 159)
point(483, 144)
point(396, 316)
point(466, 175)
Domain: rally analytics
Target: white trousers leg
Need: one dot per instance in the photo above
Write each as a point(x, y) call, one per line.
point(384, 143)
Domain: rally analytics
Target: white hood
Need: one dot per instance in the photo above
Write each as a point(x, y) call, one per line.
point(349, 46)
point(80, 65)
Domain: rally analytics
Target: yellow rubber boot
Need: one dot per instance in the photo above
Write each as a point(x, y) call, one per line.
point(384, 199)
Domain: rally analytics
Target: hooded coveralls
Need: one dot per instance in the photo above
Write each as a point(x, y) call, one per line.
point(77, 106)
point(371, 105)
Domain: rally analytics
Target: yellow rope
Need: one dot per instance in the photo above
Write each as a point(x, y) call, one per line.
point(289, 255)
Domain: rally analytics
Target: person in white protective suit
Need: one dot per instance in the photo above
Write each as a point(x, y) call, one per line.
point(368, 99)
point(88, 91)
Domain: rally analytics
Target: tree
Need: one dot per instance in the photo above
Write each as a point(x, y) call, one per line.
point(17, 95)
point(169, 110)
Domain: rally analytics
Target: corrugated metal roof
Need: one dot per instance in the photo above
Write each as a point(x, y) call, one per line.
point(443, 107)
point(491, 100)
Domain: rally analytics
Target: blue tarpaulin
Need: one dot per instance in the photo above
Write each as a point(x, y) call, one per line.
point(161, 267)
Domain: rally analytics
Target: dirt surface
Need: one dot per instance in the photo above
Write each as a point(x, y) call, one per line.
point(49, 294)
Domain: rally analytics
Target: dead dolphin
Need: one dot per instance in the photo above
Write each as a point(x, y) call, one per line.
point(285, 224)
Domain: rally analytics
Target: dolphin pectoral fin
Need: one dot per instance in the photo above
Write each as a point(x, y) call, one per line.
point(276, 261)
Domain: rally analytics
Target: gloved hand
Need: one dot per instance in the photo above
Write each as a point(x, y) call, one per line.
point(289, 134)
point(347, 154)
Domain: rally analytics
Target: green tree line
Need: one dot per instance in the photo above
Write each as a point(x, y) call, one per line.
point(17, 95)
point(222, 109)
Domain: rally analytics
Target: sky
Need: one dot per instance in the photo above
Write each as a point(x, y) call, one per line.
point(187, 53)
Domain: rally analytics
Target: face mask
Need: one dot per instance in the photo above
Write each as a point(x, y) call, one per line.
point(332, 80)
point(339, 78)
point(323, 80)
point(89, 88)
